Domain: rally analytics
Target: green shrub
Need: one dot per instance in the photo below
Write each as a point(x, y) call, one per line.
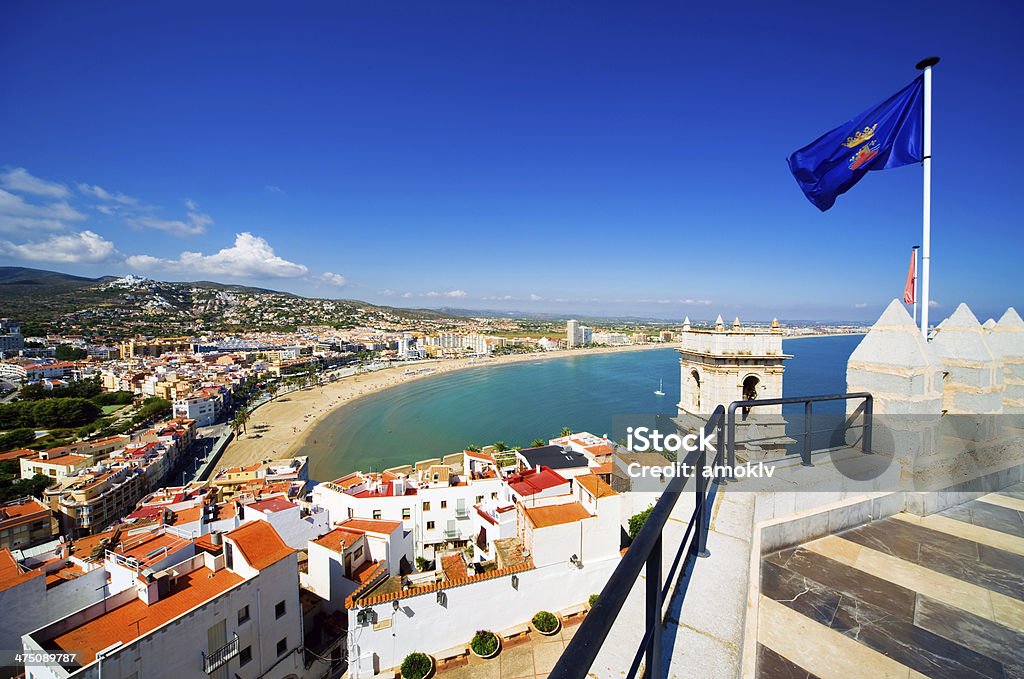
point(545, 621)
point(416, 665)
point(421, 564)
point(484, 643)
point(593, 599)
point(17, 438)
point(636, 522)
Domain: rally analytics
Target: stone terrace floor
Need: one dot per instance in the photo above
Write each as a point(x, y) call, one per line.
point(528, 657)
point(908, 596)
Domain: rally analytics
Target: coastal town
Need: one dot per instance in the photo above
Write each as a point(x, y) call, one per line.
point(150, 478)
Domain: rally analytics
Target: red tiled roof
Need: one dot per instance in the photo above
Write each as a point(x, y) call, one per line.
point(595, 486)
point(532, 481)
point(371, 525)
point(260, 544)
point(454, 566)
point(339, 539)
point(556, 515)
point(11, 573)
point(135, 619)
point(272, 504)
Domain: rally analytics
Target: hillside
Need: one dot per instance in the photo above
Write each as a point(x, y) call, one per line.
point(50, 301)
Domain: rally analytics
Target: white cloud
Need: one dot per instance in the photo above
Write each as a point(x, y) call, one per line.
point(85, 246)
point(106, 196)
point(17, 215)
point(195, 222)
point(535, 298)
point(407, 295)
point(433, 293)
point(273, 189)
point(18, 179)
point(455, 293)
point(334, 278)
point(860, 305)
point(696, 302)
point(250, 256)
point(933, 303)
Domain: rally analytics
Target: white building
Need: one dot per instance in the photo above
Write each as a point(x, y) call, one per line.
point(230, 611)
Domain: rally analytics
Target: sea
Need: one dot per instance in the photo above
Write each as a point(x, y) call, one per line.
point(520, 402)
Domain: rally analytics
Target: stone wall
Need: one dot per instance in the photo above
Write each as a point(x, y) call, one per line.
point(945, 409)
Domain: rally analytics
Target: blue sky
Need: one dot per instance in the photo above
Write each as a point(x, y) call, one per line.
point(576, 158)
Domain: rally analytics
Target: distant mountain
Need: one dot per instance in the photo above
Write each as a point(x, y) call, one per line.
point(50, 301)
point(19, 280)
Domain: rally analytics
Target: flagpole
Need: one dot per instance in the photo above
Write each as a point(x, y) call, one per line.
point(926, 164)
point(915, 283)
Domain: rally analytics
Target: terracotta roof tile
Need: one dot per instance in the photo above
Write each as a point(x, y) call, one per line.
point(556, 515)
point(260, 544)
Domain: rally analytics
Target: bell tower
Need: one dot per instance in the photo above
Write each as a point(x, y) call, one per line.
point(720, 365)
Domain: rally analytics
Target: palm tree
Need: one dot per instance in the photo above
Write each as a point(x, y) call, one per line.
point(566, 431)
point(241, 418)
point(500, 447)
point(537, 443)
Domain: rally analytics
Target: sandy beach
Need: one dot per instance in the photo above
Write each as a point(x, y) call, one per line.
point(279, 428)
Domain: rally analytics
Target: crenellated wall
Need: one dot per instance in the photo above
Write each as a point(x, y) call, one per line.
point(941, 406)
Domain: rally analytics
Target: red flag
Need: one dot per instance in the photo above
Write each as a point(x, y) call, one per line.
point(908, 291)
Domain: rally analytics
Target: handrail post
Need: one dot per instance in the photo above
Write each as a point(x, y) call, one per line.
point(731, 424)
point(700, 539)
point(721, 453)
point(869, 416)
point(653, 575)
point(805, 456)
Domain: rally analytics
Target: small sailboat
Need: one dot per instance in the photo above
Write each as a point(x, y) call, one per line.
point(661, 387)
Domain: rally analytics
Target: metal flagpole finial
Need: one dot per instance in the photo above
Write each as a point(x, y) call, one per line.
point(925, 63)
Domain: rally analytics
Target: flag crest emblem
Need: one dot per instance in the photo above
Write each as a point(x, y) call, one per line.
point(883, 137)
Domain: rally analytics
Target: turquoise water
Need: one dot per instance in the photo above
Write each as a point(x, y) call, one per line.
point(519, 402)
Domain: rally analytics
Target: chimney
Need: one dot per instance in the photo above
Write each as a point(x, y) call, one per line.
point(216, 537)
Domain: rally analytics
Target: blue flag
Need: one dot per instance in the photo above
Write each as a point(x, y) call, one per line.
point(886, 136)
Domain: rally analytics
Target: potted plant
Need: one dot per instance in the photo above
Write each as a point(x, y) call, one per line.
point(418, 666)
point(485, 644)
point(592, 600)
point(546, 623)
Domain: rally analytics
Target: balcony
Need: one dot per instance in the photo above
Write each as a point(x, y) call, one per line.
point(221, 656)
point(452, 533)
point(461, 513)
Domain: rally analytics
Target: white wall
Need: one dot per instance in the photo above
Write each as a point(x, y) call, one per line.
point(421, 624)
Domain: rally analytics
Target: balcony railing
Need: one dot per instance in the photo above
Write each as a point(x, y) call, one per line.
point(462, 513)
point(218, 658)
point(645, 553)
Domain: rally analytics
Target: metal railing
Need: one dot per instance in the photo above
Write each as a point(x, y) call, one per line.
point(223, 654)
point(805, 449)
point(645, 554)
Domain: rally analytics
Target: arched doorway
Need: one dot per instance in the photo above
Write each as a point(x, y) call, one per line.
point(695, 388)
point(750, 391)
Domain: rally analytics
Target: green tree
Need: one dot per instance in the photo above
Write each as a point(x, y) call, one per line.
point(566, 431)
point(66, 352)
point(636, 522)
point(537, 443)
point(17, 438)
point(500, 447)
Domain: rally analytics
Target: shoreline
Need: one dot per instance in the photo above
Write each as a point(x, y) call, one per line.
point(284, 424)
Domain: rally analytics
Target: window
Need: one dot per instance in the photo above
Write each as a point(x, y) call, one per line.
point(479, 499)
point(406, 513)
point(229, 556)
point(243, 614)
point(279, 609)
point(494, 496)
point(430, 525)
point(426, 506)
point(358, 553)
point(376, 514)
point(245, 656)
point(444, 504)
point(282, 646)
